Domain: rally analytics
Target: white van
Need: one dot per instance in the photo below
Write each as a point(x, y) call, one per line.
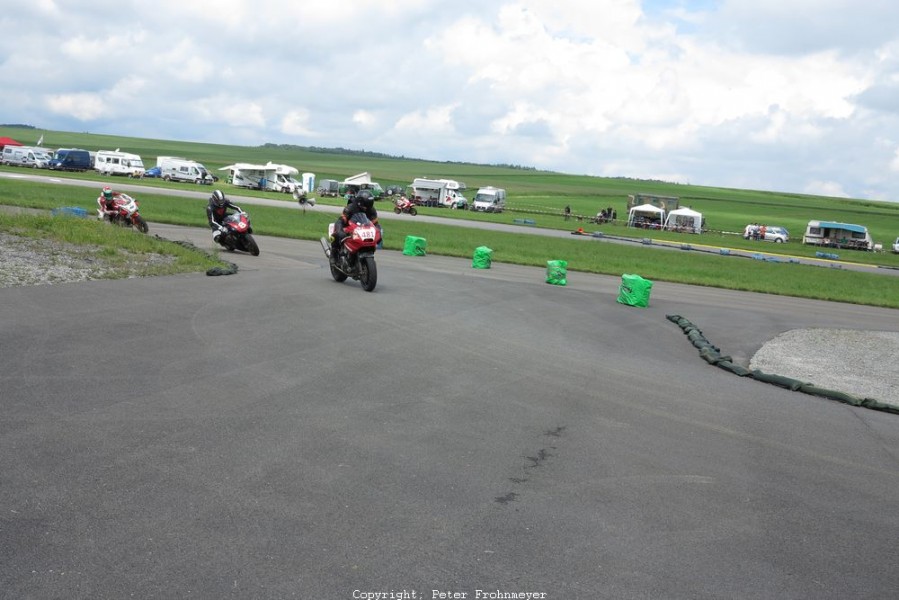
point(489, 199)
point(175, 168)
point(26, 156)
point(108, 162)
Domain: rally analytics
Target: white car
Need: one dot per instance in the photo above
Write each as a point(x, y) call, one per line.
point(896, 246)
point(773, 233)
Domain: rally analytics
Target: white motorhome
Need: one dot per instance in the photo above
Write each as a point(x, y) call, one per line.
point(114, 162)
point(838, 235)
point(175, 168)
point(438, 192)
point(489, 199)
point(270, 177)
point(36, 157)
point(285, 180)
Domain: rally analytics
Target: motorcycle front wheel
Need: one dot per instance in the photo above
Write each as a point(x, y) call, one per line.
point(141, 224)
point(251, 245)
point(368, 273)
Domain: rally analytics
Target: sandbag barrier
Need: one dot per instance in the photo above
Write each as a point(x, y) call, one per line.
point(712, 355)
point(230, 269)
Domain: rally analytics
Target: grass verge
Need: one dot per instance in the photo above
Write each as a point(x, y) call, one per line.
point(101, 250)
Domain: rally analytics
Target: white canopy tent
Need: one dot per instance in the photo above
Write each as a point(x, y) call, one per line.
point(645, 213)
point(361, 180)
point(684, 219)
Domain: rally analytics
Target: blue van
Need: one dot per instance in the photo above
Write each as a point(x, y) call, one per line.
point(71, 159)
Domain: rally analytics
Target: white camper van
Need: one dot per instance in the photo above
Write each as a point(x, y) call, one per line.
point(109, 162)
point(26, 156)
point(270, 177)
point(838, 235)
point(438, 192)
point(175, 168)
point(285, 180)
point(489, 199)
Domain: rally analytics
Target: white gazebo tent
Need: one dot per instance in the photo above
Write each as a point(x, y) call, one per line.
point(645, 210)
point(684, 219)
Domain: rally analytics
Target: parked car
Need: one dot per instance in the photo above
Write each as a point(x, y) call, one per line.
point(896, 246)
point(773, 233)
point(153, 172)
point(395, 190)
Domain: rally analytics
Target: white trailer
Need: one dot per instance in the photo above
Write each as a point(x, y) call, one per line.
point(175, 168)
point(114, 162)
point(438, 192)
point(838, 235)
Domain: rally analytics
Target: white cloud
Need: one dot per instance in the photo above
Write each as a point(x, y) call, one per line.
point(81, 106)
point(296, 123)
point(826, 188)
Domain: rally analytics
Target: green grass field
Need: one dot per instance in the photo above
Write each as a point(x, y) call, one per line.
point(540, 196)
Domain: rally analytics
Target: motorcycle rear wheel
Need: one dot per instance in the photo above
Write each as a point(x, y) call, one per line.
point(368, 273)
point(338, 275)
point(413, 211)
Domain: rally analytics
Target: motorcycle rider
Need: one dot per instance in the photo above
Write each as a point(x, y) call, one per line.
point(361, 202)
point(106, 202)
point(216, 211)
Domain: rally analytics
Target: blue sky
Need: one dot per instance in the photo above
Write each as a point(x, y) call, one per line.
point(797, 96)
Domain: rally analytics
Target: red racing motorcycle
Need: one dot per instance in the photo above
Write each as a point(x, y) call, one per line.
point(404, 205)
point(356, 254)
point(237, 234)
point(126, 213)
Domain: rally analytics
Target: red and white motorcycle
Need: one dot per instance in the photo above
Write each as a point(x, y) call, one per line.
point(356, 254)
point(404, 205)
point(125, 213)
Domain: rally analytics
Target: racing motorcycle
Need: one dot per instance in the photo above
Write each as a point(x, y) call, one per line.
point(237, 233)
point(404, 205)
point(126, 213)
point(356, 254)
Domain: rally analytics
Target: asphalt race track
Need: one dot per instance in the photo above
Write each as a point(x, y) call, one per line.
point(274, 434)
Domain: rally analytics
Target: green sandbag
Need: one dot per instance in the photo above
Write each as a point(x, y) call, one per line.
point(784, 382)
point(844, 397)
point(483, 256)
point(634, 290)
point(734, 368)
point(557, 272)
point(415, 246)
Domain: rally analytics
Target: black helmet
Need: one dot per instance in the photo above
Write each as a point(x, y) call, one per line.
point(218, 198)
point(364, 199)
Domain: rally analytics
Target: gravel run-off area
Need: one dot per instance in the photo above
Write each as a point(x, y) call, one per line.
point(861, 363)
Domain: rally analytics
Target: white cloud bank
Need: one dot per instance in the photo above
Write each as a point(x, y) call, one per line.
point(740, 93)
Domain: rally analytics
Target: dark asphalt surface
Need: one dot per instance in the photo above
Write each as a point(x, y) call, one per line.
point(274, 434)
